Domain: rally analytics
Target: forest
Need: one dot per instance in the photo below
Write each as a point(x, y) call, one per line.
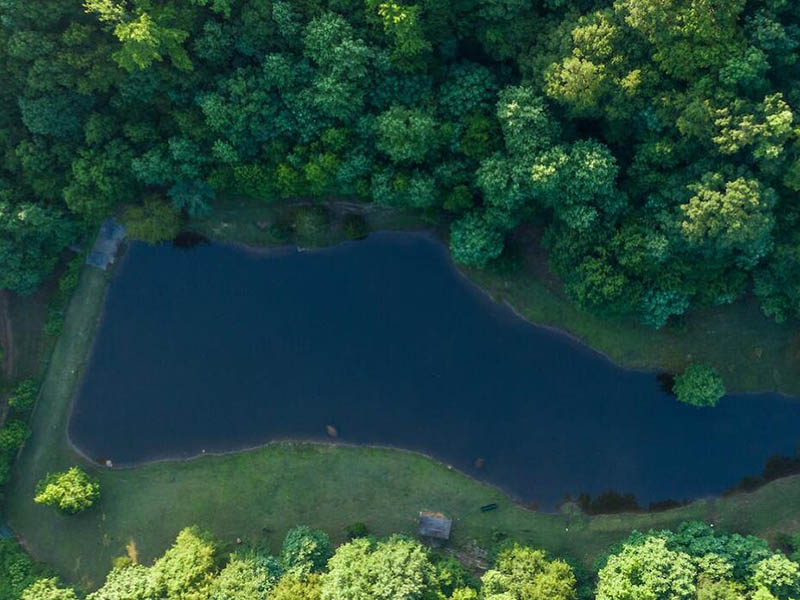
point(690, 563)
point(650, 143)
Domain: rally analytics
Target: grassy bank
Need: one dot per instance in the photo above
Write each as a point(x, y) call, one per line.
point(258, 495)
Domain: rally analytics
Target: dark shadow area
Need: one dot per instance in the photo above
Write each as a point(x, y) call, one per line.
point(777, 466)
point(189, 239)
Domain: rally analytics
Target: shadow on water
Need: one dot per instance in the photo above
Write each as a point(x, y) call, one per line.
point(189, 239)
point(667, 382)
point(383, 342)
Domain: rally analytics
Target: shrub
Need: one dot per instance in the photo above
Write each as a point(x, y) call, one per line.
point(473, 241)
point(311, 224)
point(153, 221)
point(13, 435)
point(71, 491)
point(356, 530)
point(355, 227)
point(305, 550)
point(17, 570)
point(23, 396)
point(6, 462)
point(699, 385)
point(48, 589)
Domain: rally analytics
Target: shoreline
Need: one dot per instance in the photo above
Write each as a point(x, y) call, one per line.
point(556, 329)
point(97, 462)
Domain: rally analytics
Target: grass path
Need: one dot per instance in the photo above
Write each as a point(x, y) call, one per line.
point(259, 494)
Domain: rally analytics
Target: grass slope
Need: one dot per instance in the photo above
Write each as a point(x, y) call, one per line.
point(258, 495)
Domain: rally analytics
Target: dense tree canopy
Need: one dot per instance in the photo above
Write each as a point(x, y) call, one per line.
point(651, 142)
point(695, 562)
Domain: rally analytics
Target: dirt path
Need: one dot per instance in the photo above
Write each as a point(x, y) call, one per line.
point(6, 336)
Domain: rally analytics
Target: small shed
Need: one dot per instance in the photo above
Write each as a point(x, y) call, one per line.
point(106, 245)
point(434, 525)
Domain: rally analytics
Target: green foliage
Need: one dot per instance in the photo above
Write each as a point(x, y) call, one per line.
point(653, 142)
point(699, 385)
point(647, 570)
point(687, 36)
point(354, 227)
point(48, 589)
point(293, 587)
point(126, 582)
point(406, 134)
point(694, 561)
point(522, 573)
point(247, 576)
point(13, 434)
point(311, 225)
point(192, 196)
point(356, 530)
point(394, 569)
point(779, 576)
point(473, 241)
point(31, 239)
point(527, 125)
point(153, 221)
point(186, 570)
point(305, 550)
point(17, 570)
point(401, 23)
point(23, 396)
point(724, 216)
point(71, 491)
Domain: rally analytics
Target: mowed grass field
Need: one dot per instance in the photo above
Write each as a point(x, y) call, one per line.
point(259, 494)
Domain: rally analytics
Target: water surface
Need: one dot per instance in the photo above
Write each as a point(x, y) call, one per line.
point(217, 348)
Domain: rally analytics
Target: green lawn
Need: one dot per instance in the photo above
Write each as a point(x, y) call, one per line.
point(258, 495)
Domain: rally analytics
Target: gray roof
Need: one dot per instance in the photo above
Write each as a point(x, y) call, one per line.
point(434, 525)
point(106, 245)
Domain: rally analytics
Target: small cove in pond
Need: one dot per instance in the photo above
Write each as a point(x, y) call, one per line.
point(217, 348)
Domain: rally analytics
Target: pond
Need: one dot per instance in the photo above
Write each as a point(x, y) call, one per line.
point(218, 348)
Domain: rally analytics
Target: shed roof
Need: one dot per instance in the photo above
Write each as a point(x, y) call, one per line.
point(105, 246)
point(434, 525)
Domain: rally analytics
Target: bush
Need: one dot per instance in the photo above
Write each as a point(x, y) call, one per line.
point(13, 435)
point(473, 242)
point(311, 225)
point(305, 550)
point(23, 396)
point(153, 221)
point(17, 570)
point(6, 462)
point(354, 227)
point(66, 287)
point(699, 385)
point(356, 530)
point(48, 589)
point(71, 491)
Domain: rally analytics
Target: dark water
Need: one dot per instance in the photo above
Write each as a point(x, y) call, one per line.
point(217, 348)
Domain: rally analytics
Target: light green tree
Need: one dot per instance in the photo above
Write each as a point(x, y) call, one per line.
point(394, 569)
point(186, 570)
point(48, 589)
point(647, 571)
point(522, 573)
point(71, 491)
point(699, 385)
